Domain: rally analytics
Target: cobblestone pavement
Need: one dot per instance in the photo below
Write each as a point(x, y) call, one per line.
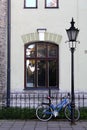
point(38, 125)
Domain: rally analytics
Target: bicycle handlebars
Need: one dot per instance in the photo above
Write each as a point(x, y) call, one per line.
point(68, 95)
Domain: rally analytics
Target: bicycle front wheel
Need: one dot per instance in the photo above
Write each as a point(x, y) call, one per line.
point(43, 112)
point(68, 112)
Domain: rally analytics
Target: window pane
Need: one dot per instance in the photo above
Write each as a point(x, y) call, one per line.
point(52, 73)
point(41, 51)
point(30, 73)
point(41, 73)
point(52, 51)
point(30, 51)
point(30, 3)
point(51, 3)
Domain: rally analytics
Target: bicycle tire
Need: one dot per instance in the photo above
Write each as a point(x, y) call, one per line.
point(67, 113)
point(41, 112)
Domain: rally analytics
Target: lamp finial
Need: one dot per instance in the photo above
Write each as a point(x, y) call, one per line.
point(72, 23)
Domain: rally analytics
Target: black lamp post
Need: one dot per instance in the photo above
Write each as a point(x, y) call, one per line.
point(72, 33)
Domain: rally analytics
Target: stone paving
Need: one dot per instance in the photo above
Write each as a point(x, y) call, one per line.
point(38, 125)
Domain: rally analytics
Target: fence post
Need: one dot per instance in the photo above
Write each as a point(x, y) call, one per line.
point(83, 99)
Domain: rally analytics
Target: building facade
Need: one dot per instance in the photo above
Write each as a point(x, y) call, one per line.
point(38, 57)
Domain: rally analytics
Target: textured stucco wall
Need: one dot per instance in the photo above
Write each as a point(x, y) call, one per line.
point(3, 45)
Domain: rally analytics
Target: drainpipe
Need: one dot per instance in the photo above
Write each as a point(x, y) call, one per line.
point(8, 50)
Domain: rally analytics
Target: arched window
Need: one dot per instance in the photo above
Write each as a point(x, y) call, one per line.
point(41, 65)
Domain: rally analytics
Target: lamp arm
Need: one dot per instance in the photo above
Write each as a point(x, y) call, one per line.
point(75, 41)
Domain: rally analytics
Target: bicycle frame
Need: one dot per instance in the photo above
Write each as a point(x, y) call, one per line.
point(57, 107)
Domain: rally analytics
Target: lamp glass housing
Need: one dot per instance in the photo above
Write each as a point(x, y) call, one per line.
point(72, 32)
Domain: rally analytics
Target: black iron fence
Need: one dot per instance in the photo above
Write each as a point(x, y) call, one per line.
point(32, 100)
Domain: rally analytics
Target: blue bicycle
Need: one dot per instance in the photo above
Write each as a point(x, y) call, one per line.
point(45, 111)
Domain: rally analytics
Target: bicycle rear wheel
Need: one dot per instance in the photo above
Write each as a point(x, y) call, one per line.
point(68, 112)
point(43, 112)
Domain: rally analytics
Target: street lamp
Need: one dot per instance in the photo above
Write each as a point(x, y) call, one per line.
point(72, 33)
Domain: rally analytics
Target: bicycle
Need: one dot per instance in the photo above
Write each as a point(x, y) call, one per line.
point(45, 111)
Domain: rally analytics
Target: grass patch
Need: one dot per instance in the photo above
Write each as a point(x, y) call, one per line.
point(17, 113)
point(26, 113)
point(83, 113)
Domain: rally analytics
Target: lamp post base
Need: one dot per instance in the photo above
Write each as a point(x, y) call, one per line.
point(72, 112)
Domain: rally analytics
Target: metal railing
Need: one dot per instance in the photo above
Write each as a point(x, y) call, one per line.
point(32, 100)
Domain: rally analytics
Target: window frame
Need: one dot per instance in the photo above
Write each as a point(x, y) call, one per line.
point(50, 7)
point(26, 7)
point(41, 58)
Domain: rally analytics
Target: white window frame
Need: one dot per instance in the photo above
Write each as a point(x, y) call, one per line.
point(32, 4)
point(51, 4)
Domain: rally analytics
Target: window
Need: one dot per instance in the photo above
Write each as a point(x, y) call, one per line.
point(30, 3)
point(51, 3)
point(41, 65)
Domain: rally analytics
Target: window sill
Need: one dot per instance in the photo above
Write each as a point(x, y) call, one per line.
point(40, 88)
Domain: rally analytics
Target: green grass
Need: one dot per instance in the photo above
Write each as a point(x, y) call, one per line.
point(17, 113)
point(26, 113)
point(83, 113)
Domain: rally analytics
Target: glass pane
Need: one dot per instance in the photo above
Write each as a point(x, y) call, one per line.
point(30, 51)
point(41, 73)
point(52, 51)
point(41, 51)
point(30, 73)
point(30, 3)
point(51, 3)
point(52, 73)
